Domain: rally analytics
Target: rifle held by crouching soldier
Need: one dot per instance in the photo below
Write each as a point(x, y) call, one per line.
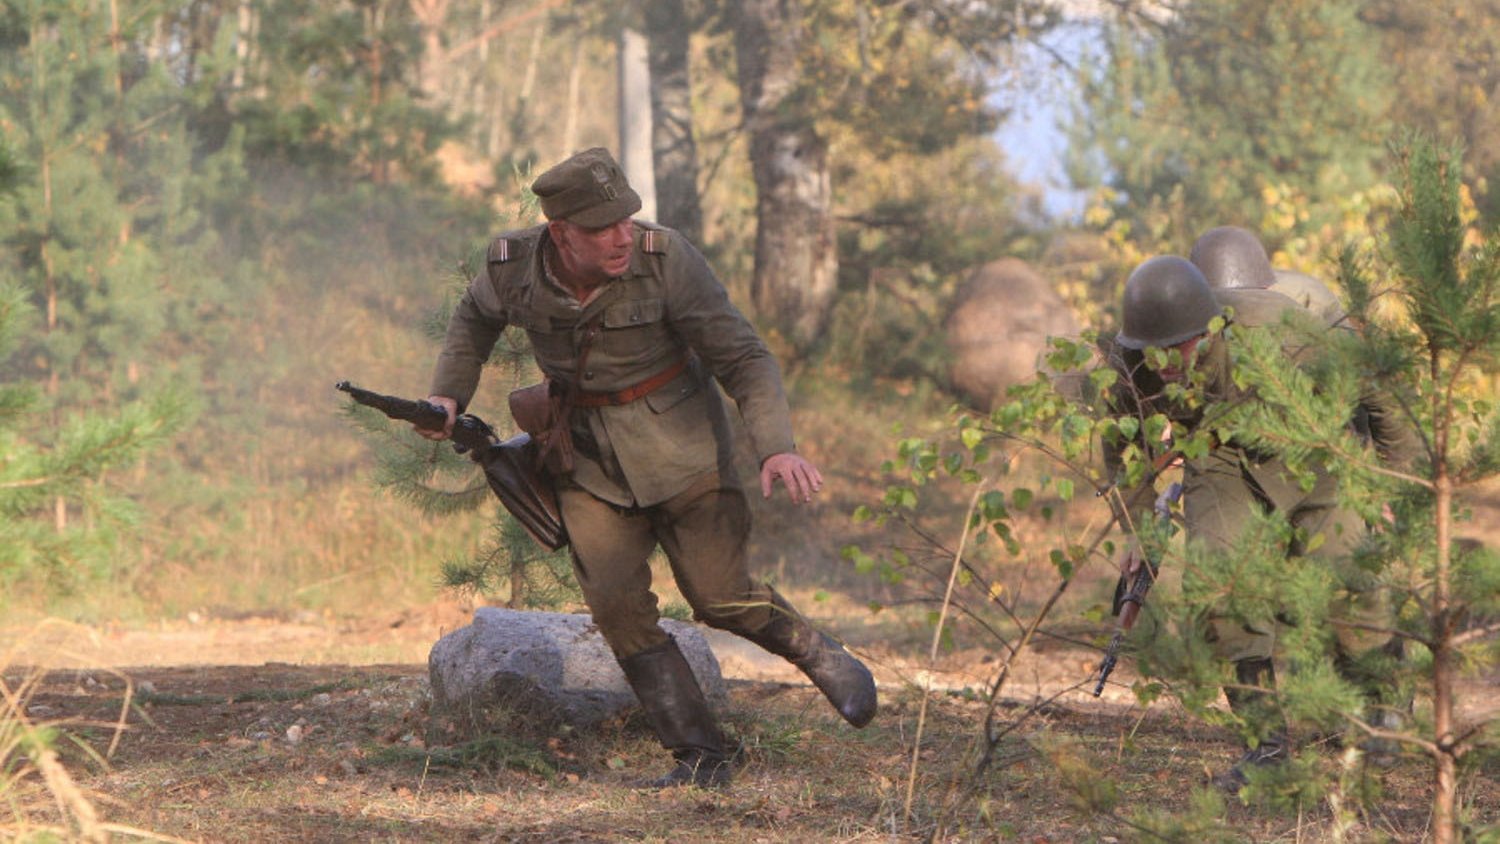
point(511, 466)
point(1128, 601)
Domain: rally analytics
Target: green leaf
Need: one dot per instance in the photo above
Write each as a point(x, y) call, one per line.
point(1315, 542)
point(1147, 693)
point(971, 438)
point(992, 505)
point(953, 463)
point(901, 496)
point(1061, 562)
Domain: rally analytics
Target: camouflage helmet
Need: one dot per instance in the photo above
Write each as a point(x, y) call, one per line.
point(1167, 301)
point(1230, 256)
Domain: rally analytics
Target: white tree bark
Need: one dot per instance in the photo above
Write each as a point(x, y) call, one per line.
point(796, 257)
point(675, 152)
point(635, 119)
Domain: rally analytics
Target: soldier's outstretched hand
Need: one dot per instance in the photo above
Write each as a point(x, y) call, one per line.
point(802, 478)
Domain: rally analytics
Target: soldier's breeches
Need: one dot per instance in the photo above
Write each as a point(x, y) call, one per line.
point(703, 531)
point(1223, 493)
point(1237, 641)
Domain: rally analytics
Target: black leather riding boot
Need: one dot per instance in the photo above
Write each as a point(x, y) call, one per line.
point(1258, 708)
point(679, 714)
point(842, 678)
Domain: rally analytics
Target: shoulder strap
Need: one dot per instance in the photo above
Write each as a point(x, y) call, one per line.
point(654, 241)
point(509, 248)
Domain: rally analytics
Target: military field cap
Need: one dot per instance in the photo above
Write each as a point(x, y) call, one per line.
point(588, 189)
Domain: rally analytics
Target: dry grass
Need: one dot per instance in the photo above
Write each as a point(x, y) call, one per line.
point(282, 752)
point(43, 799)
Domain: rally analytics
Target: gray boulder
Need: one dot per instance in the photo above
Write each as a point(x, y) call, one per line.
point(543, 666)
point(1001, 318)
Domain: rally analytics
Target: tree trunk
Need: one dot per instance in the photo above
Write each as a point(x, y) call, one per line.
point(575, 92)
point(520, 130)
point(635, 119)
point(673, 151)
point(796, 261)
point(375, 66)
point(244, 33)
point(432, 20)
point(1445, 779)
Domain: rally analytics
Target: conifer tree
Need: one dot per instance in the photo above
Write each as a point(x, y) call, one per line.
point(39, 465)
point(439, 482)
point(1432, 353)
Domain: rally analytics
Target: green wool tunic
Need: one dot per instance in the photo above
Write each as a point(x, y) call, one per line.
point(668, 306)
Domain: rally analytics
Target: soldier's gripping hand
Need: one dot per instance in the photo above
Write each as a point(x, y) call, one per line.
point(450, 405)
point(802, 478)
point(1130, 560)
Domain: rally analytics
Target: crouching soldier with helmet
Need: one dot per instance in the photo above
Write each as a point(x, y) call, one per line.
point(1168, 304)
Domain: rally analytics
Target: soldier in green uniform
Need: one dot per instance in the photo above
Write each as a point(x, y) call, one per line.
point(1233, 258)
point(1169, 304)
point(630, 323)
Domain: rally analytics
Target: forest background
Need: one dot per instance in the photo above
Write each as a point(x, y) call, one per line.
point(235, 204)
point(215, 210)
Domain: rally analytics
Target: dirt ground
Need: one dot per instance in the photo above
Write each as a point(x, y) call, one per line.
point(307, 729)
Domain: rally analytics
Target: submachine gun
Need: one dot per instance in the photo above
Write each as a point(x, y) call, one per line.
point(512, 467)
point(1129, 598)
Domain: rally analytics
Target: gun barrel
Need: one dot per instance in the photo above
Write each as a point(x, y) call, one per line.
point(421, 412)
point(1107, 665)
point(512, 468)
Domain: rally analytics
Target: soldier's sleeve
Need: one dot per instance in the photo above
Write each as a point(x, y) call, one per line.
point(1392, 431)
point(473, 328)
point(699, 310)
point(1129, 504)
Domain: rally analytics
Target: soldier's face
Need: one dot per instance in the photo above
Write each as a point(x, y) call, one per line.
point(601, 254)
point(1186, 349)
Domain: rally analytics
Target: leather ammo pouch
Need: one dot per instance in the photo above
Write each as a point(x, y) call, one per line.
point(541, 410)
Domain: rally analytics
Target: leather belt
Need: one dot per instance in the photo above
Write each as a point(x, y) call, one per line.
point(586, 398)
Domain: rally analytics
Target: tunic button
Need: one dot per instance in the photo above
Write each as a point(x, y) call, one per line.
point(635, 317)
point(588, 376)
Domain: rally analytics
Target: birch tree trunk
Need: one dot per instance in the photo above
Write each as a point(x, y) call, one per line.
point(635, 119)
point(432, 19)
point(575, 91)
point(796, 260)
point(674, 153)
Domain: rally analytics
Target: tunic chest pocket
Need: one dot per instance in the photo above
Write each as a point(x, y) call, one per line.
point(633, 328)
point(551, 344)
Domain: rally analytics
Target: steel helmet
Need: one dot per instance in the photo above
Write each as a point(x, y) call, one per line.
point(1310, 293)
point(1167, 301)
point(1232, 257)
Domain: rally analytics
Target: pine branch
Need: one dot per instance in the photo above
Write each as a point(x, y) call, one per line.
point(1393, 632)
